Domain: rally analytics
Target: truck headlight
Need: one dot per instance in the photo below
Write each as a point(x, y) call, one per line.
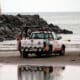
point(26, 49)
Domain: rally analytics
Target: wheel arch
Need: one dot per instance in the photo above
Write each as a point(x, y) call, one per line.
point(63, 46)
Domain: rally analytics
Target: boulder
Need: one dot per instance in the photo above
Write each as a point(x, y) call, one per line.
point(11, 25)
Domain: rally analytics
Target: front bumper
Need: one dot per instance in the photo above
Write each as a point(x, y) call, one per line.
point(38, 49)
point(31, 49)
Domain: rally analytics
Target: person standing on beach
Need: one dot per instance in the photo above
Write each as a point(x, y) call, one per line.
point(19, 37)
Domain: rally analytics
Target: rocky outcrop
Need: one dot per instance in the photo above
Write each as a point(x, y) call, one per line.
point(11, 25)
point(58, 30)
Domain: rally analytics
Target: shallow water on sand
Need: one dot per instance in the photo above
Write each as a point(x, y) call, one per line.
point(52, 72)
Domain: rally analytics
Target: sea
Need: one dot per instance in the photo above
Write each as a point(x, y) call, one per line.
point(65, 20)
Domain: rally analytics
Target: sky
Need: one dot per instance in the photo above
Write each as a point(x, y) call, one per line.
point(40, 6)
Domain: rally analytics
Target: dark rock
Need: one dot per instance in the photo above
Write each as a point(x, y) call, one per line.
point(66, 31)
point(11, 25)
point(55, 28)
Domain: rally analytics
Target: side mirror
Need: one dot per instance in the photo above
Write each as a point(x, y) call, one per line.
point(59, 38)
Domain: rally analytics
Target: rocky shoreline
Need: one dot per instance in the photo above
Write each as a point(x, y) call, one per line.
point(11, 25)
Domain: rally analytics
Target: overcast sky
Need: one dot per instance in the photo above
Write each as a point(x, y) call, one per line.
point(40, 5)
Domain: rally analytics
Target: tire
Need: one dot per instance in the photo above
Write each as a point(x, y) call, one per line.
point(62, 52)
point(49, 53)
point(25, 54)
point(38, 54)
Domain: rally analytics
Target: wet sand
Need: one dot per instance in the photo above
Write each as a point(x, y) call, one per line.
point(11, 61)
point(12, 57)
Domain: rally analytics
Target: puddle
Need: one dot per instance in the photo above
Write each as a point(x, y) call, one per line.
point(28, 72)
point(8, 72)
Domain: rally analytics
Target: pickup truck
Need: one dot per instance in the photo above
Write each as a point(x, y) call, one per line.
point(41, 43)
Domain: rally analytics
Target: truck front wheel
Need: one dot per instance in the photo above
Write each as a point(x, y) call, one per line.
point(62, 52)
point(50, 50)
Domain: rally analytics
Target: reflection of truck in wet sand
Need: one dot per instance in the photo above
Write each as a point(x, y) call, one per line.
point(39, 72)
point(41, 43)
point(34, 72)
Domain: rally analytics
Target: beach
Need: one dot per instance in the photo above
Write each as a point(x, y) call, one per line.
point(13, 57)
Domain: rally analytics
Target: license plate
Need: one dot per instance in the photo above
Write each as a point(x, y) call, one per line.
point(32, 49)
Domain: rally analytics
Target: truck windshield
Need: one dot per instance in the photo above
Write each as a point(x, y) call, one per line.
point(41, 36)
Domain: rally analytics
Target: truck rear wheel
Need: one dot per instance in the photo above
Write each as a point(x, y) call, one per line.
point(48, 53)
point(39, 54)
point(25, 54)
